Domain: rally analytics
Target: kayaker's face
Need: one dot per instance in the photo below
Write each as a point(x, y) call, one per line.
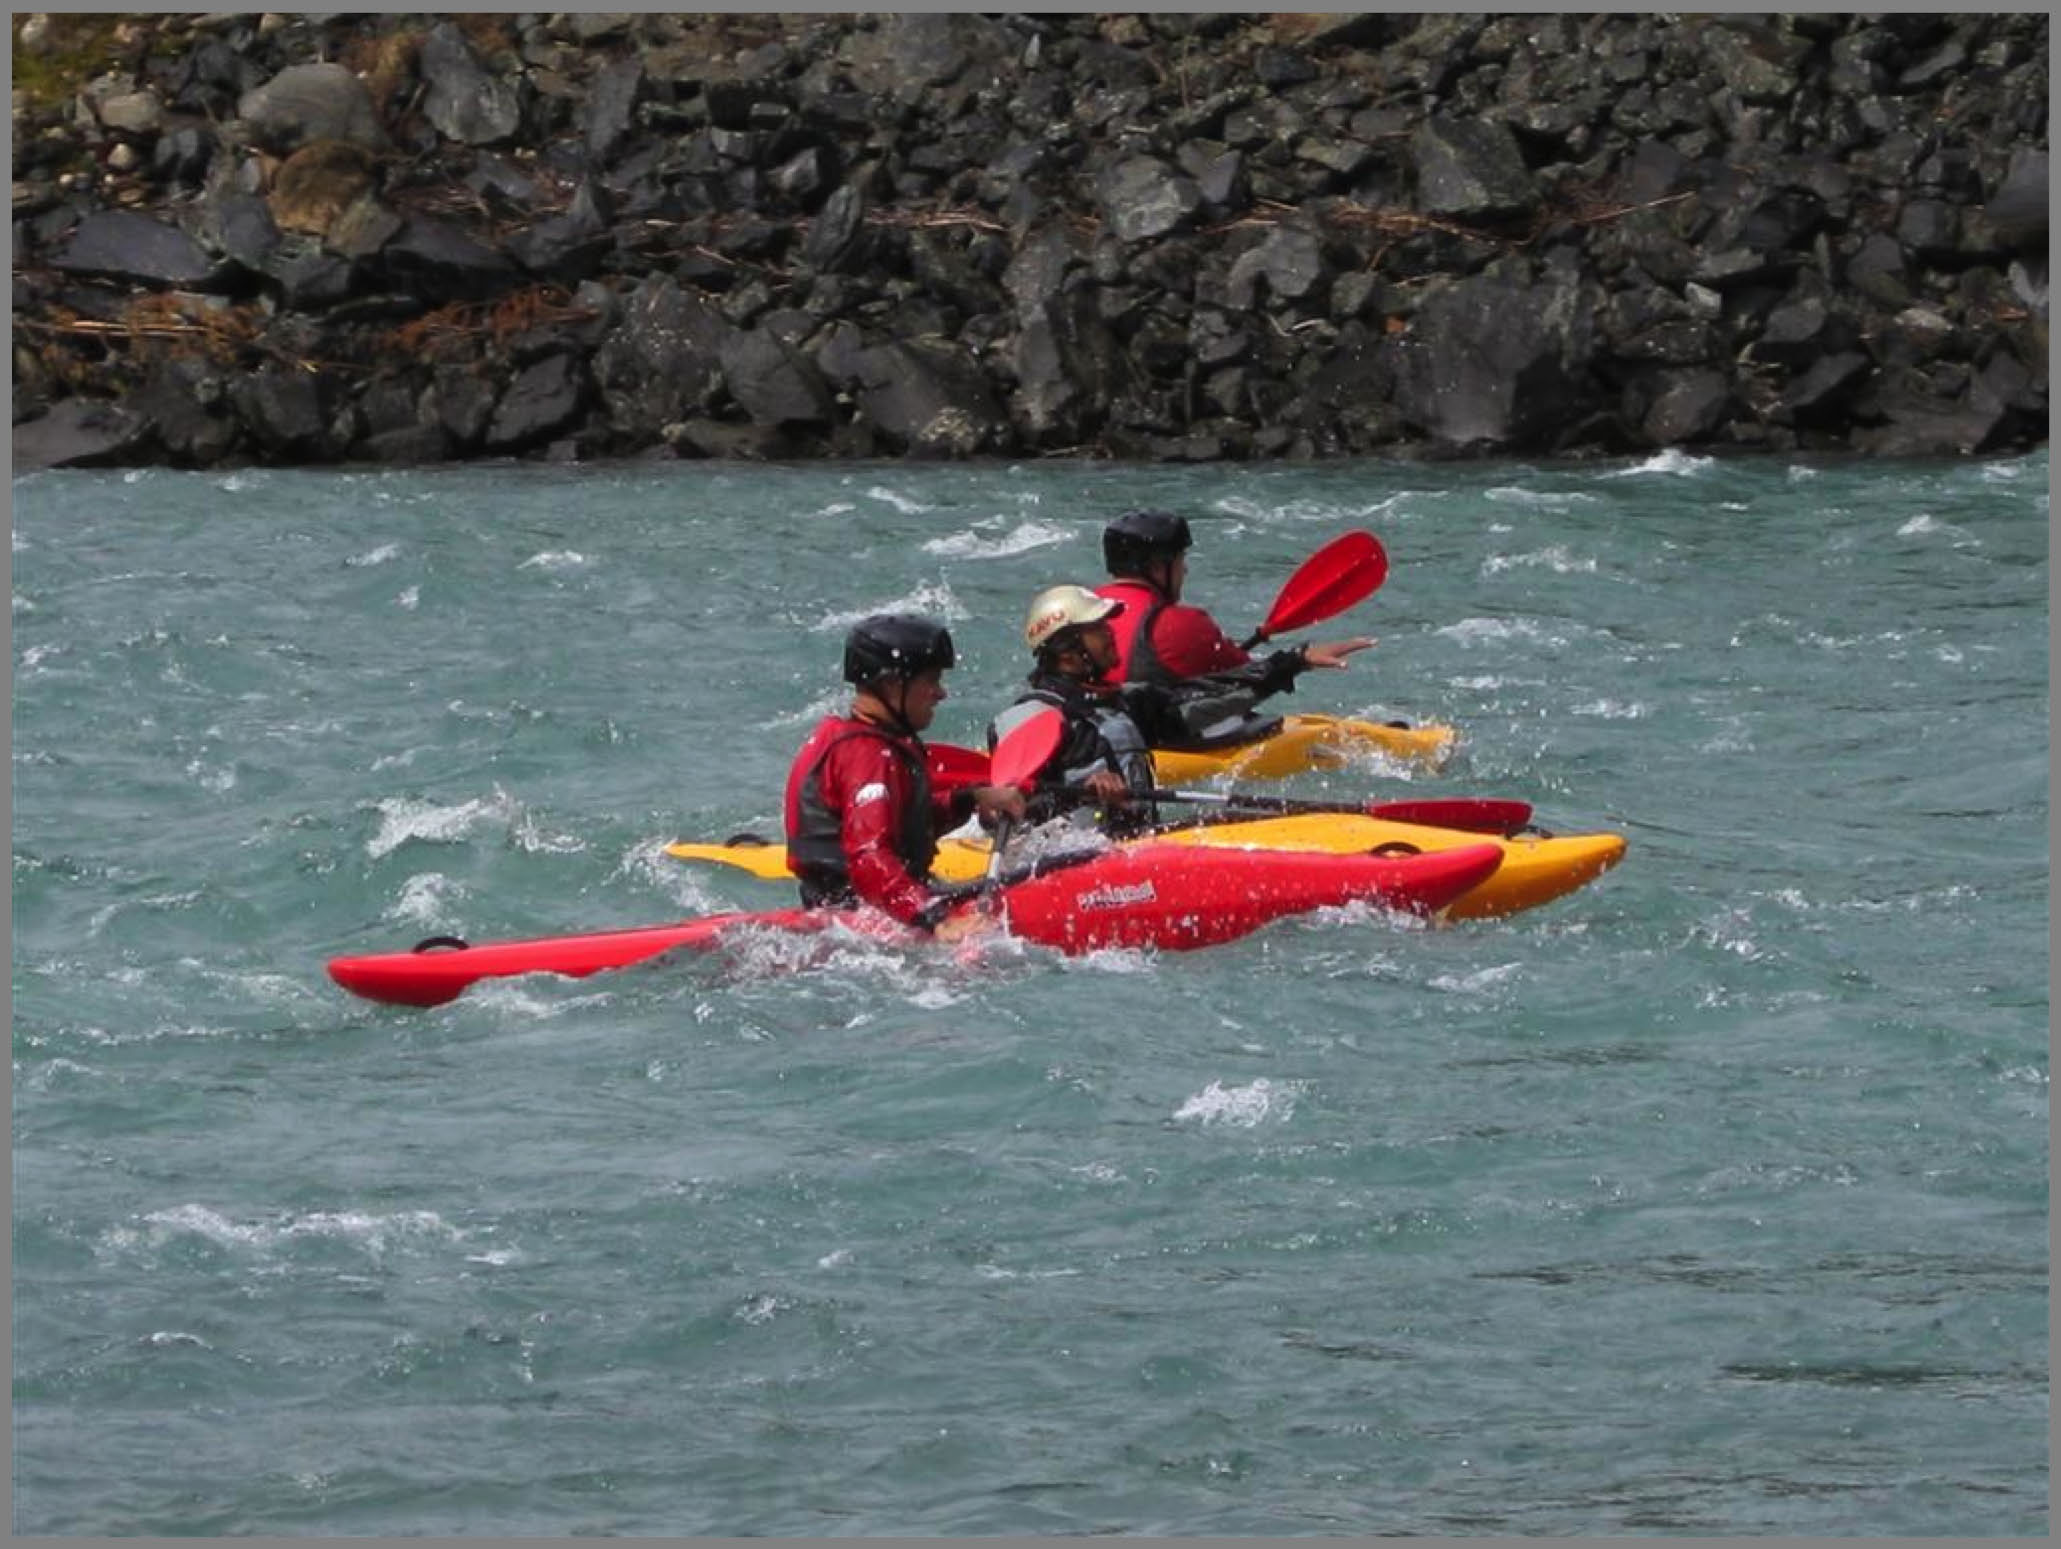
point(920, 697)
point(1097, 649)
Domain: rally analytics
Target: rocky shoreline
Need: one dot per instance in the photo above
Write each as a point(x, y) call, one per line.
point(396, 238)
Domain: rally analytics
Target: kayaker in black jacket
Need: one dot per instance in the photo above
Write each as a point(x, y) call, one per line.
point(1105, 759)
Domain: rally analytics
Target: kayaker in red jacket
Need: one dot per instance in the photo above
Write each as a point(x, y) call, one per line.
point(1159, 639)
point(862, 819)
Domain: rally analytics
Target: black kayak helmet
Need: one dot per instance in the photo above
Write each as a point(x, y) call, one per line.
point(1137, 538)
point(895, 645)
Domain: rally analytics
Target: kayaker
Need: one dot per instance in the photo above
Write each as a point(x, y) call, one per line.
point(1162, 640)
point(862, 818)
point(1105, 759)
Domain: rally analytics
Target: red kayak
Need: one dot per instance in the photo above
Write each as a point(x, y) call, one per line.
point(1173, 897)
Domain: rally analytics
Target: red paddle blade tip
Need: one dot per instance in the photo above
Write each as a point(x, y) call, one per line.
point(1021, 754)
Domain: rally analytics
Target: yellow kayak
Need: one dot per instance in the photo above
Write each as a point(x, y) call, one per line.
point(1535, 868)
point(1307, 742)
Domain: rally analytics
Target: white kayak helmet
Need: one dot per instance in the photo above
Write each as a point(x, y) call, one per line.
point(1060, 608)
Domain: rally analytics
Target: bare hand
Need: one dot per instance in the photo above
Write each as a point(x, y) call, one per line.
point(1333, 653)
point(1108, 787)
point(966, 923)
point(994, 801)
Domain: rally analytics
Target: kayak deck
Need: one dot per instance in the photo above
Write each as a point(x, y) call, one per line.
point(1536, 868)
point(1308, 742)
point(1168, 897)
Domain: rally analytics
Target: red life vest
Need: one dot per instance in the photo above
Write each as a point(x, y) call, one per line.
point(1136, 660)
point(815, 831)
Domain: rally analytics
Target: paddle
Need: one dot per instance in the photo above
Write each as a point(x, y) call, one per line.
point(1474, 814)
point(1331, 580)
point(952, 766)
point(1016, 761)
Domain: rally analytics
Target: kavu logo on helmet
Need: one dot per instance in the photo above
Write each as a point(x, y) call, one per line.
point(1060, 608)
point(895, 645)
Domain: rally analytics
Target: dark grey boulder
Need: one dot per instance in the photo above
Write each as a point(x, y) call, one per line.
point(930, 400)
point(773, 382)
point(570, 245)
point(243, 230)
point(465, 100)
point(1471, 169)
point(285, 409)
point(436, 261)
point(461, 399)
point(544, 399)
point(2017, 210)
point(79, 433)
point(1289, 259)
point(1141, 197)
point(1689, 406)
point(1498, 360)
point(1824, 388)
point(183, 402)
point(305, 103)
point(835, 240)
point(661, 360)
point(127, 245)
point(611, 106)
point(308, 279)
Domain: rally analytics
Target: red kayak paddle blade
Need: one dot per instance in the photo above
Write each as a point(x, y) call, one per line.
point(1020, 755)
point(952, 767)
point(1468, 814)
point(1341, 573)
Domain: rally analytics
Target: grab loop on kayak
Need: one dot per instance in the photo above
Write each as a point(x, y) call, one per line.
point(1530, 831)
point(747, 842)
point(1396, 847)
point(441, 944)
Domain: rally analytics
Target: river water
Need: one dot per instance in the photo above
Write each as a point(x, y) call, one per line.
point(1710, 1199)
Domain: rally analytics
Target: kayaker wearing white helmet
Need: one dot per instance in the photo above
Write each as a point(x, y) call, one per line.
point(1162, 640)
point(1105, 758)
point(862, 819)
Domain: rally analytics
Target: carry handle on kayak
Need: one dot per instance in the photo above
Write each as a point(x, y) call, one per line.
point(1331, 580)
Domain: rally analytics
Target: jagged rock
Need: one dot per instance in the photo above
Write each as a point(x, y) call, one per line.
point(433, 259)
point(307, 279)
point(1876, 271)
point(612, 106)
point(772, 381)
point(836, 237)
point(130, 246)
point(79, 433)
point(2017, 211)
point(305, 103)
point(286, 410)
point(1820, 390)
point(1289, 259)
point(405, 445)
point(1689, 407)
point(183, 404)
point(568, 246)
point(1498, 359)
point(466, 101)
point(1471, 169)
point(661, 361)
point(931, 400)
point(1142, 198)
point(461, 400)
point(543, 400)
point(243, 230)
